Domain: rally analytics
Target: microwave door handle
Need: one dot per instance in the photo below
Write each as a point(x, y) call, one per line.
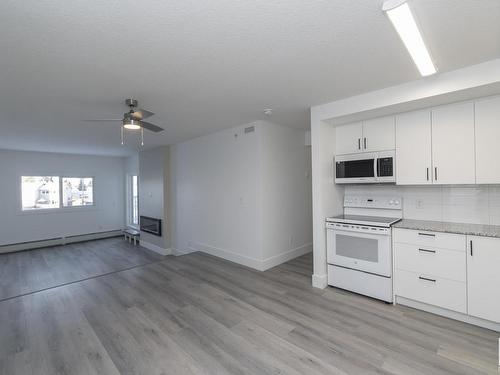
point(375, 167)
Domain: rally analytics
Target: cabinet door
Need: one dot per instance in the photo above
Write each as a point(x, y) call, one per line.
point(453, 144)
point(413, 148)
point(378, 134)
point(487, 116)
point(348, 138)
point(483, 277)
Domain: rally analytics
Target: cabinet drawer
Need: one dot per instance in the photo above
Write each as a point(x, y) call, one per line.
point(444, 293)
point(434, 239)
point(442, 263)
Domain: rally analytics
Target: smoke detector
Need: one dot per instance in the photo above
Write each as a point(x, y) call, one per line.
point(268, 112)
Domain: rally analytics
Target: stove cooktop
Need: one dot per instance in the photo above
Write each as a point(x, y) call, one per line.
point(364, 220)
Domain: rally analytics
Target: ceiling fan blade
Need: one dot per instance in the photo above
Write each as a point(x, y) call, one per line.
point(142, 113)
point(151, 127)
point(104, 119)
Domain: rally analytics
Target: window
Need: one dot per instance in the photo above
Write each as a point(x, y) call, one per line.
point(77, 191)
point(49, 192)
point(135, 202)
point(40, 192)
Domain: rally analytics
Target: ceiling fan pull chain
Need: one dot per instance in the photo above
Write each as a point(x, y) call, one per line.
point(142, 136)
point(121, 130)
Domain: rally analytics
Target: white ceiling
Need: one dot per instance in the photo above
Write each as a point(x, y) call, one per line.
point(207, 65)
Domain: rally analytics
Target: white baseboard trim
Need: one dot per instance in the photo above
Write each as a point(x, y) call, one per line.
point(227, 255)
point(448, 313)
point(179, 252)
point(257, 264)
point(286, 256)
point(59, 241)
point(319, 281)
point(155, 248)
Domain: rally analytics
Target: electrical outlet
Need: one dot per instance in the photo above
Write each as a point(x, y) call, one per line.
point(419, 203)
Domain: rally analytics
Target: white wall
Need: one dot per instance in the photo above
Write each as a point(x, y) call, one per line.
point(479, 204)
point(286, 192)
point(217, 200)
point(108, 214)
point(153, 195)
point(132, 165)
point(234, 192)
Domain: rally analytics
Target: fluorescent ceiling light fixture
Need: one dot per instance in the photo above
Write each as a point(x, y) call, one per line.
point(401, 17)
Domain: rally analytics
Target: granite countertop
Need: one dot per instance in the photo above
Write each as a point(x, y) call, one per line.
point(447, 227)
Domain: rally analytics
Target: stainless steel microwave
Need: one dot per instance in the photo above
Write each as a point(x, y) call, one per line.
point(365, 168)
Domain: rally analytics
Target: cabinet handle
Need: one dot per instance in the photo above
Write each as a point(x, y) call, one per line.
point(427, 173)
point(426, 234)
point(471, 251)
point(435, 173)
point(364, 140)
point(359, 143)
point(427, 279)
point(427, 251)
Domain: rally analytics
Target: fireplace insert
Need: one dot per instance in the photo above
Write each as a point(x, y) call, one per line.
point(151, 225)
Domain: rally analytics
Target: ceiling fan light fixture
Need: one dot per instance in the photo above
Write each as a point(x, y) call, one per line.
point(131, 124)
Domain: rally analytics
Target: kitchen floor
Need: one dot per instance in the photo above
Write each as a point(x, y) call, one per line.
point(197, 314)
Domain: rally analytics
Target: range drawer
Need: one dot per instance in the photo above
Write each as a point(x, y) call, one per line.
point(435, 239)
point(442, 263)
point(440, 292)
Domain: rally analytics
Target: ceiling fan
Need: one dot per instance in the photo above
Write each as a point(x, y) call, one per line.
point(134, 120)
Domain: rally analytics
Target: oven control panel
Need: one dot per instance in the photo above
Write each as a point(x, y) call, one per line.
point(363, 201)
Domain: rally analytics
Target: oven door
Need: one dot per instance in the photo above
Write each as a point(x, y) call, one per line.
point(360, 251)
point(357, 168)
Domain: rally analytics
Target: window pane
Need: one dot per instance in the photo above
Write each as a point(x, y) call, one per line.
point(40, 192)
point(135, 201)
point(78, 191)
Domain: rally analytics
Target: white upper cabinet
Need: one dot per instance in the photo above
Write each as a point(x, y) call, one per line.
point(348, 138)
point(378, 134)
point(483, 277)
point(366, 136)
point(487, 115)
point(453, 144)
point(413, 148)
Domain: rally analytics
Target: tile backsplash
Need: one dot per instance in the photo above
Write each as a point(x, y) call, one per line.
point(479, 204)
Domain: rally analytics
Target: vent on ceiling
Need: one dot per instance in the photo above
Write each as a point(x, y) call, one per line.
point(249, 129)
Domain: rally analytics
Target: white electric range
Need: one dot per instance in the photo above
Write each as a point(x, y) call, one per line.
point(359, 245)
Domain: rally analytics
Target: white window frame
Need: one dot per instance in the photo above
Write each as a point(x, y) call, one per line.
point(130, 201)
point(61, 208)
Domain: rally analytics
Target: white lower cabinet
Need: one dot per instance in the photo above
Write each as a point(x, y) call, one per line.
point(483, 277)
point(431, 289)
point(431, 268)
point(450, 271)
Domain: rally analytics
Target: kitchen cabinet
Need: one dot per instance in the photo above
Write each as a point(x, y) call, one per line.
point(413, 148)
point(367, 136)
point(430, 267)
point(348, 138)
point(453, 155)
point(483, 277)
point(487, 119)
point(378, 134)
point(436, 146)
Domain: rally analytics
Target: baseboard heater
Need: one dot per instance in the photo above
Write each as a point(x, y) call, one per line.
point(20, 246)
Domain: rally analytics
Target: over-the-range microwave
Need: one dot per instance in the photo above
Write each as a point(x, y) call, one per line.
point(368, 167)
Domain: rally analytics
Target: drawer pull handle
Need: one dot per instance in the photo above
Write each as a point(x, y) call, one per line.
point(427, 279)
point(426, 234)
point(427, 251)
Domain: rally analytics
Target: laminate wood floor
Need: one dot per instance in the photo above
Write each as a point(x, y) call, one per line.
point(197, 314)
point(26, 272)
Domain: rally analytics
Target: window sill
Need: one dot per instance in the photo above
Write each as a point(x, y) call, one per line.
point(57, 210)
